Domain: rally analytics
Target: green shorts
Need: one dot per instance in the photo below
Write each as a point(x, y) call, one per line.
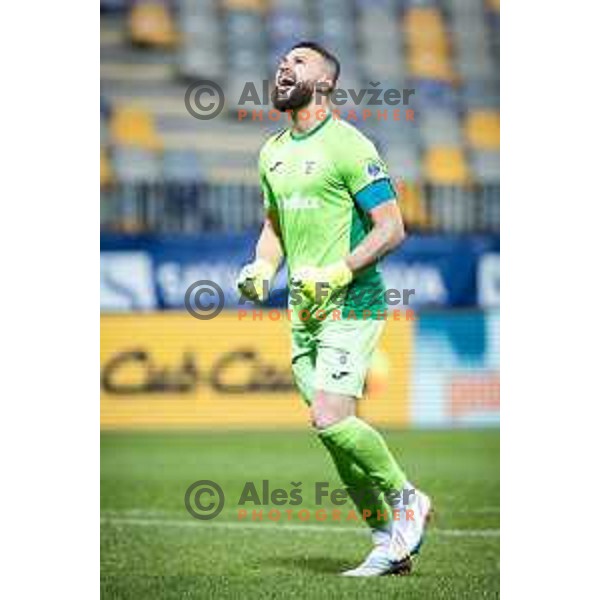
point(333, 355)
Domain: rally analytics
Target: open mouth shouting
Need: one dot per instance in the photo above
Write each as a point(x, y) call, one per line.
point(286, 82)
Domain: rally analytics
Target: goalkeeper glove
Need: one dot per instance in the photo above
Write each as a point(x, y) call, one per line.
point(318, 284)
point(252, 278)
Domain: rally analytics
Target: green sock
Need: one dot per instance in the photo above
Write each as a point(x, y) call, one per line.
point(359, 487)
point(366, 447)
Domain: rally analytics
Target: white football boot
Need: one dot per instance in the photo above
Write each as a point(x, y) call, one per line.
point(394, 550)
point(408, 533)
point(378, 560)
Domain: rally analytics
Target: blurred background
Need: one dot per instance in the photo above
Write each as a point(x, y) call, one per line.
point(180, 202)
point(184, 399)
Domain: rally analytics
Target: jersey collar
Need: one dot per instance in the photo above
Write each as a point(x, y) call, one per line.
point(302, 136)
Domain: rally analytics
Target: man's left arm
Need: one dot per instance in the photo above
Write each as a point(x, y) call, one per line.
point(387, 233)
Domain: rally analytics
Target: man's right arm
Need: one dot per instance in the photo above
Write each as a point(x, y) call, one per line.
point(268, 247)
point(268, 252)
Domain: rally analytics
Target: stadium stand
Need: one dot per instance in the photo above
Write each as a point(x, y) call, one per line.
point(151, 50)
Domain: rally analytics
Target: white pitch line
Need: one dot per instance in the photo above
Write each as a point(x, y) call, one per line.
point(270, 528)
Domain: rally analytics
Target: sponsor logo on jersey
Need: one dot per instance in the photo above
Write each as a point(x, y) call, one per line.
point(300, 203)
point(309, 166)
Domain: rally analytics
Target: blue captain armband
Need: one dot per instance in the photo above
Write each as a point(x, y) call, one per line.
point(375, 193)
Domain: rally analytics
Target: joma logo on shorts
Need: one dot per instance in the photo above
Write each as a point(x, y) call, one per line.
point(339, 374)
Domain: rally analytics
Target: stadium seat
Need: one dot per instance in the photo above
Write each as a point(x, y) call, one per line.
point(411, 204)
point(465, 7)
point(476, 67)
point(150, 23)
point(446, 165)
point(104, 132)
point(381, 57)
point(439, 127)
point(286, 27)
point(480, 94)
point(424, 65)
point(249, 5)
point(403, 161)
point(136, 165)
point(424, 29)
point(107, 178)
point(420, 3)
point(181, 165)
point(198, 61)
point(485, 166)
point(382, 22)
point(203, 28)
point(113, 5)
point(483, 129)
point(132, 126)
point(105, 107)
point(427, 45)
point(106, 172)
point(435, 95)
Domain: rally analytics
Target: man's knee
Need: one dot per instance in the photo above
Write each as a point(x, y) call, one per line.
point(322, 420)
point(328, 409)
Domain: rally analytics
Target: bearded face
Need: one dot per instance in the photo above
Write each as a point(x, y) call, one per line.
point(291, 94)
point(301, 71)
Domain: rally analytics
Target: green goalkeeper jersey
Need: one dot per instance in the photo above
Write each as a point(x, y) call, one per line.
point(321, 185)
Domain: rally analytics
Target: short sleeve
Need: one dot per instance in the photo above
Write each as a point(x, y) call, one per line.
point(365, 173)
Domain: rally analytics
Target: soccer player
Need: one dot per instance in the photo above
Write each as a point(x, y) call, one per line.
point(331, 212)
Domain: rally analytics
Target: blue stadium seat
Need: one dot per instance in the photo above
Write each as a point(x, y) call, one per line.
point(113, 5)
point(434, 94)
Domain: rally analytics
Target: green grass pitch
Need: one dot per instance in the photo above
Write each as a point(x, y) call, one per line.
point(152, 548)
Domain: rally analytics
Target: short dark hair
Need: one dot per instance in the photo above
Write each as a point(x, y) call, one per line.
point(331, 60)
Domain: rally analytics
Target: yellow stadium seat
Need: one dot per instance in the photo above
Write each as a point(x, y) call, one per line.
point(421, 24)
point(446, 166)
point(437, 45)
point(411, 204)
point(151, 23)
point(106, 172)
point(249, 5)
point(422, 18)
point(132, 126)
point(427, 44)
point(493, 5)
point(428, 65)
point(482, 129)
